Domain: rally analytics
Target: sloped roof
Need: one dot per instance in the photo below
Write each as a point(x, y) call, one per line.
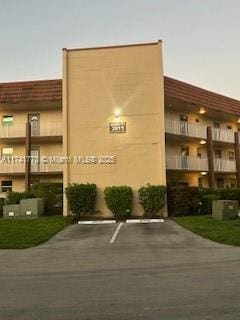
point(51, 90)
point(192, 94)
point(31, 91)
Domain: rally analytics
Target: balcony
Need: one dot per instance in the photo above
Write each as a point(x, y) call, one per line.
point(223, 135)
point(36, 168)
point(186, 129)
point(177, 162)
point(195, 130)
point(224, 165)
point(18, 130)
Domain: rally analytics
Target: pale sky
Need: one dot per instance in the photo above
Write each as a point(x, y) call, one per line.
point(201, 37)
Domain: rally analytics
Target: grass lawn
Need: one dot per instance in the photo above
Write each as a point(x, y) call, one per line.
point(227, 232)
point(23, 233)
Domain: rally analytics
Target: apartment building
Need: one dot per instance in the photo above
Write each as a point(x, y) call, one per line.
point(202, 136)
point(39, 103)
point(115, 102)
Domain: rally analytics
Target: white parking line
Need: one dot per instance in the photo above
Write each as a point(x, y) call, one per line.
point(116, 232)
point(144, 220)
point(96, 221)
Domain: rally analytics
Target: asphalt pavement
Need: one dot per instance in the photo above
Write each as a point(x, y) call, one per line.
point(129, 271)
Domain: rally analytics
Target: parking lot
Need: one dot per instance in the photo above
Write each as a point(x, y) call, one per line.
point(149, 271)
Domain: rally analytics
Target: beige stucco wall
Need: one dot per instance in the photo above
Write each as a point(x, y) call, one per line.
point(21, 116)
point(95, 83)
point(47, 148)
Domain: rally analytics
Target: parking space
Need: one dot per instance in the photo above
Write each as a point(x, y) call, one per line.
point(150, 271)
point(164, 235)
point(83, 236)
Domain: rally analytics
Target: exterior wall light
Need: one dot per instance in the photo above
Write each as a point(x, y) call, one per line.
point(117, 113)
point(238, 120)
point(202, 110)
point(203, 141)
point(203, 173)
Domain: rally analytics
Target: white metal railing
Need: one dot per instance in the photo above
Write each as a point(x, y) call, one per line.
point(35, 167)
point(185, 128)
point(19, 130)
point(223, 135)
point(224, 165)
point(177, 162)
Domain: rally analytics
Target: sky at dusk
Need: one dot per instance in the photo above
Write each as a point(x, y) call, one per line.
point(200, 37)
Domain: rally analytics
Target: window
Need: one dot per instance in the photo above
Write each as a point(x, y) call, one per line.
point(183, 125)
point(231, 155)
point(7, 120)
point(199, 152)
point(200, 182)
point(218, 154)
point(34, 119)
point(220, 183)
point(233, 183)
point(6, 185)
point(7, 152)
point(216, 125)
point(183, 118)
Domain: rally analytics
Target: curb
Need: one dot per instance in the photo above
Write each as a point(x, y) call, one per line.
point(144, 220)
point(97, 222)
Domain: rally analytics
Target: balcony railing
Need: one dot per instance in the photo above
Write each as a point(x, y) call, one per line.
point(18, 130)
point(224, 165)
point(177, 162)
point(185, 128)
point(195, 130)
point(36, 167)
point(223, 135)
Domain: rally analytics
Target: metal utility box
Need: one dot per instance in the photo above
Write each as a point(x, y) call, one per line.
point(224, 209)
point(32, 208)
point(11, 211)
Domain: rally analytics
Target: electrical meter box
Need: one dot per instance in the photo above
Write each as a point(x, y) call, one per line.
point(11, 211)
point(224, 209)
point(32, 208)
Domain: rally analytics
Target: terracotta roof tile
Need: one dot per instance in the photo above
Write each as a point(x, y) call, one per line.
point(31, 91)
point(51, 90)
point(192, 94)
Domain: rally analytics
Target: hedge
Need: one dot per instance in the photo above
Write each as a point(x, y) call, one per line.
point(52, 192)
point(193, 200)
point(2, 203)
point(119, 200)
point(81, 197)
point(14, 197)
point(183, 200)
point(152, 199)
point(206, 203)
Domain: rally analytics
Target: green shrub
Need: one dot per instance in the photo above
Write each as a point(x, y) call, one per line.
point(119, 201)
point(229, 194)
point(2, 203)
point(194, 201)
point(183, 201)
point(152, 199)
point(81, 197)
point(206, 203)
point(14, 197)
point(52, 192)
